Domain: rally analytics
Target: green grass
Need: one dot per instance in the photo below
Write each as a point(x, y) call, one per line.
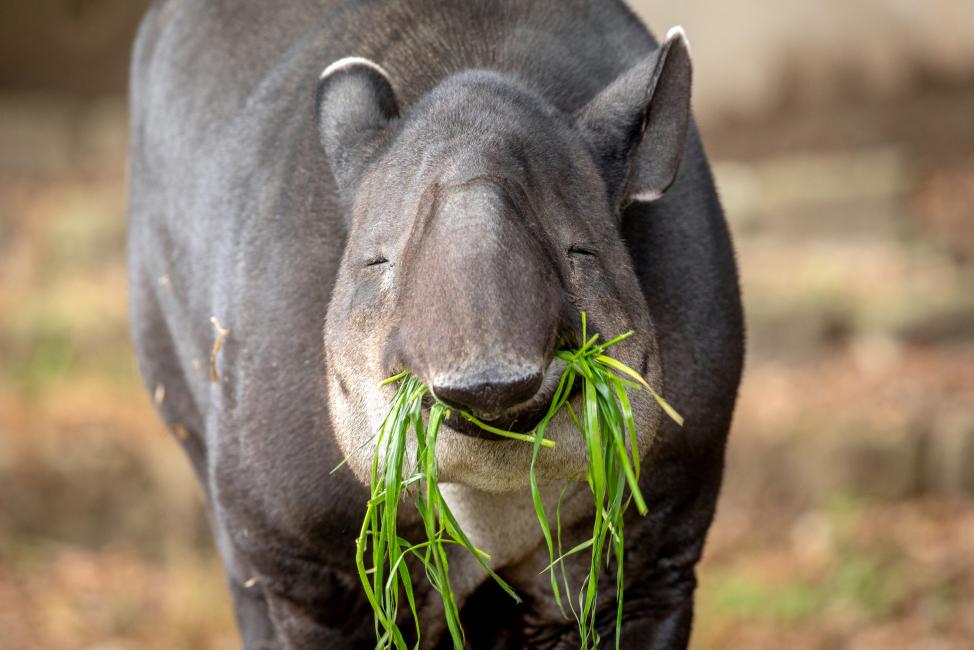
point(606, 423)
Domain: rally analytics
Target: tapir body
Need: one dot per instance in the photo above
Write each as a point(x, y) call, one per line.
point(448, 201)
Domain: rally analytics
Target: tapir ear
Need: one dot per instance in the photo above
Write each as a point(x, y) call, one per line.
point(354, 107)
point(637, 125)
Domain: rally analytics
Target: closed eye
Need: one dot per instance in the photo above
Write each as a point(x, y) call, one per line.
point(581, 250)
point(377, 260)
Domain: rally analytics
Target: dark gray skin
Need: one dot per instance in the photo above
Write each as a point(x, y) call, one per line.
point(448, 206)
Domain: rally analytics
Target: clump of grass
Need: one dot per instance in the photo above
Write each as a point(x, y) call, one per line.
point(607, 426)
point(387, 581)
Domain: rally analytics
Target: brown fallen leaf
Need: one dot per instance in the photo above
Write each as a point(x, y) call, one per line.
point(221, 336)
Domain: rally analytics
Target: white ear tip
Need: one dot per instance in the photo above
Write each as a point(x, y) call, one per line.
point(678, 32)
point(350, 62)
point(647, 196)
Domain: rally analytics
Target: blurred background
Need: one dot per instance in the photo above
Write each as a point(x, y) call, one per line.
point(842, 135)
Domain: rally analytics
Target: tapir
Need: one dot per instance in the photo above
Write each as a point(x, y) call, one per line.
point(325, 193)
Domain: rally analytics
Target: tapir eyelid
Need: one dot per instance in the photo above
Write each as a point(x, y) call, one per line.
point(579, 249)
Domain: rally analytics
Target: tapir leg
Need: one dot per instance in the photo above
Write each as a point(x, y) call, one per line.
point(249, 600)
point(659, 604)
point(165, 379)
point(253, 618)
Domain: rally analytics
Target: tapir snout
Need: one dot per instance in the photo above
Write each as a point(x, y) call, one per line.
point(483, 300)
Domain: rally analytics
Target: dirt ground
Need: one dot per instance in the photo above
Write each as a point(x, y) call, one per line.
point(846, 519)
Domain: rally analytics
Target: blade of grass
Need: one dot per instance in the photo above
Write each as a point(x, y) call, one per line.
point(523, 437)
point(618, 365)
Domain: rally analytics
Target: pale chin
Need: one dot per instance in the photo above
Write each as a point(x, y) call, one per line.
point(505, 465)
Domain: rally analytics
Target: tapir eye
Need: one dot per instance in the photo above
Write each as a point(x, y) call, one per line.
point(376, 260)
point(581, 250)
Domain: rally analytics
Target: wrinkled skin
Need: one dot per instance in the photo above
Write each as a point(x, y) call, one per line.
point(448, 205)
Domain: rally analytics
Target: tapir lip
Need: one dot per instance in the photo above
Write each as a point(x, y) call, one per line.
point(521, 419)
point(522, 422)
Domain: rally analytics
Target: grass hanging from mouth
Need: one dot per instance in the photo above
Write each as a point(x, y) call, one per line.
point(387, 581)
point(608, 428)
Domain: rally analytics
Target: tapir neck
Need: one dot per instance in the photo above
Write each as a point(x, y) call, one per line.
point(505, 526)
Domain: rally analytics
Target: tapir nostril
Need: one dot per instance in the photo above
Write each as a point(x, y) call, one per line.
point(492, 396)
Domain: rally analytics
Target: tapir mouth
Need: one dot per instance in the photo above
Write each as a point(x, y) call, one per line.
point(522, 418)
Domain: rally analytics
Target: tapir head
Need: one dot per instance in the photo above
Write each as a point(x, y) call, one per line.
point(481, 222)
